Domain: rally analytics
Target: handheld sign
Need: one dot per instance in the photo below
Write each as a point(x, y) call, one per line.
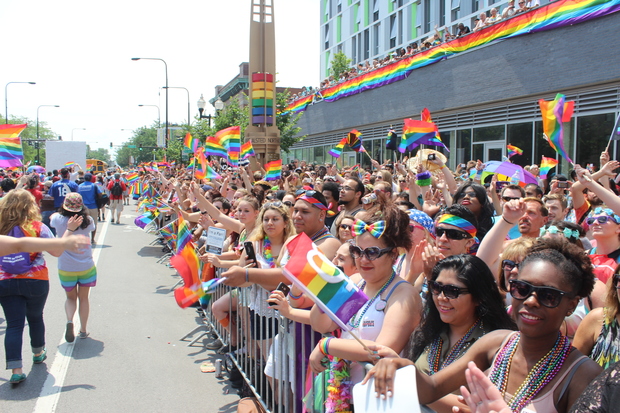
point(215, 240)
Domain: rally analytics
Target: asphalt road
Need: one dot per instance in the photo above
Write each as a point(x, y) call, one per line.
point(133, 359)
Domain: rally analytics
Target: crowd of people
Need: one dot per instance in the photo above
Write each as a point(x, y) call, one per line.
point(485, 20)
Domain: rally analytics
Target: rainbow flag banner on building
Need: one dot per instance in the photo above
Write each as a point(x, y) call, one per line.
point(230, 139)
point(512, 150)
point(11, 153)
point(323, 282)
point(554, 114)
point(247, 150)
point(273, 170)
point(547, 17)
point(418, 132)
point(546, 164)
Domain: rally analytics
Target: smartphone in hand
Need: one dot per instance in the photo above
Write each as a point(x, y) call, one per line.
point(281, 287)
point(249, 252)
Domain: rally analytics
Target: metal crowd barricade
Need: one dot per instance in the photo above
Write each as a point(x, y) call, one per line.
point(285, 354)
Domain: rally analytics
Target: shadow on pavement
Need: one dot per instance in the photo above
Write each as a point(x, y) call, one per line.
point(151, 251)
point(87, 348)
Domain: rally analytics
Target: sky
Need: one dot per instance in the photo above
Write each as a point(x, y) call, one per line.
point(79, 54)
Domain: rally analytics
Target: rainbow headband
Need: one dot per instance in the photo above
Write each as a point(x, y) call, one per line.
point(313, 201)
point(458, 222)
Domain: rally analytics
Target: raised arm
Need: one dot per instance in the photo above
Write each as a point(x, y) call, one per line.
point(493, 243)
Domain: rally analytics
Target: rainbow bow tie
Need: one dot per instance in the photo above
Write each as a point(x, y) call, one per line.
point(376, 229)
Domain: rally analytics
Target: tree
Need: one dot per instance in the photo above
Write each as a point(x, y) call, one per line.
point(340, 64)
point(101, 154)
point(287, 123)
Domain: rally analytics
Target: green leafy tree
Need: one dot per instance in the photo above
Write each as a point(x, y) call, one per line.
point(340, 64)
point(101, 154)
point(287, 123)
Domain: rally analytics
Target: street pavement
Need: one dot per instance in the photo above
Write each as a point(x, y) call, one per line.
point(133, 359)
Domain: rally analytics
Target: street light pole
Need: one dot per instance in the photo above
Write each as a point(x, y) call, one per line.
point(6, 100)
point(166, 65)
point(39, 143)
point(74, 130)
point(158, 114)
point(181, 87)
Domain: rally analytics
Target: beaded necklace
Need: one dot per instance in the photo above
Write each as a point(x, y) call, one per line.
point(353, 321)
point(434, 353)
point(323, 233)
point(267, 252)
point(539, 376)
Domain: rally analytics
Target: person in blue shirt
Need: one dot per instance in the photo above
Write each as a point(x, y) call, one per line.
point(90, 192)
point(60, 189)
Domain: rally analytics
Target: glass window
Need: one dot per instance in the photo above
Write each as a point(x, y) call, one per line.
point(375, 39)
point(319, 154)
point(354, 49)
point(456, 4)
point(593, 134)
point(474, 5)
point(401, 28)
point(489, 133)
point(520, 135)
point(375, 11)
point(392, 31)
point(442, 13)
point(463, 143)
point(542, 148)
point(366, 44)
point(326, 36)
point(427, 16)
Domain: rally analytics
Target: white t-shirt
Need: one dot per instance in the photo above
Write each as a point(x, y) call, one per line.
point(71, 261)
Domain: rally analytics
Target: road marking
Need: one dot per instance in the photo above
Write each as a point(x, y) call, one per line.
point(50, 393)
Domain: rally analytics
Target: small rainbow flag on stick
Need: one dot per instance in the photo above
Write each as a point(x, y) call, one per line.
point(337, 150)
point(554, 114)
point(274, 170)
point(323, 282)
point(186, 263)
point(212, 147)
point(70, 164)
point(184, 236)
point(354, 141)
point(418, 132)
point(11, 153)
point(512, 150)
point(247, 150)
point(230, 139)
point(545, 165)
point(190, 143)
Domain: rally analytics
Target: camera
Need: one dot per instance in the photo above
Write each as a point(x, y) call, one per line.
point(431, 156)
point(369, 199)
point(562, 184)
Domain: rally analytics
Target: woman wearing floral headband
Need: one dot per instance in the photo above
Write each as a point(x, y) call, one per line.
point(392, 311)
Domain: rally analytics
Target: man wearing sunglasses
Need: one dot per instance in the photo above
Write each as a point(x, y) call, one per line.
point(351, 193)
point(508, 193)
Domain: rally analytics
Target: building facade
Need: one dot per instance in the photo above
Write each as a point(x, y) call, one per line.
point(488, 97)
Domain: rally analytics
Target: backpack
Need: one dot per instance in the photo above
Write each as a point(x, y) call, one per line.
point(117, 189)
point(20, 262)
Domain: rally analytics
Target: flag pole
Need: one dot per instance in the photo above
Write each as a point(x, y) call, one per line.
point(614, 130)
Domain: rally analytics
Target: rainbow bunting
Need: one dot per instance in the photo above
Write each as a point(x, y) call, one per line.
point(212, 147)
point(553, 117)
point(11, 153)
point(274, 170)
point(512, 150)
point(551, 16)
point(230, 139)
point(337, 150)
point(418, 132)
point(184, 235)
point(545, 165)
point(322, 281)
point(247, 150)
point(187, 264)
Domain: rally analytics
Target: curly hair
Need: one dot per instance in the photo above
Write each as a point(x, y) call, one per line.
point(17, 208)
point(478, 279)
point(485, 217)
point(569, 259)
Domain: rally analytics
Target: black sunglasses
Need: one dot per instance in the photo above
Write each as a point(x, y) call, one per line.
point(454, 234)
point(345, 226)
point(288, 203)
point(509, 265)
point(601, 219)
point(449, 291)
point(510, 198)
point(372, 253)
point(548, 296)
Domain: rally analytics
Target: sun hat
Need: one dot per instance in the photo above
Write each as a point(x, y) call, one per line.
point(73, 202)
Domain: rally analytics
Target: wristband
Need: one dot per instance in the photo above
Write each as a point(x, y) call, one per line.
point(247, 275)
point(507, 220)
point(324, 345)
point(295, 297)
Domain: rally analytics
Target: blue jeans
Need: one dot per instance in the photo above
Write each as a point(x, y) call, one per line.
point(23, 299)
point(45, 218)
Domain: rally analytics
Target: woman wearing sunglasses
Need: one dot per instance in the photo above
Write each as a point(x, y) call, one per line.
point(605, 228)
point(599, 333)
point(392, 311)
point(344, 229)
point(534, 368)
point(465, 306)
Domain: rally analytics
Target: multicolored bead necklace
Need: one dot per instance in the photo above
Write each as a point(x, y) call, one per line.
point(539, 376)
point(434, 353)
point(356, 324)
point(267, 252)
point(323, 233)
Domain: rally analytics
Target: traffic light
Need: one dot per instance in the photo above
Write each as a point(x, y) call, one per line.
point(110, 145)
point(140, 147)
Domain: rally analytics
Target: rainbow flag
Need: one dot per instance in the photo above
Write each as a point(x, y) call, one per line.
point(230, 139)
point(512, 150)
point(545, 165)
point(337, 150)
point(201, 164)
point(354, 141)
point(132, 177)
point(211, 174)
point(184, 235)
point(169, 232)
point(70, 164)
point(247, 150)
point(334, 293)
point(553, 117)
point(299, 105)
point(186, 263)
point(273, 170)
point(418, 132)
point(191, 165)
point(212, 147)
point(556, 14)
point(190, 143)
point(426, 117)
point(143, 220)
point(11, 153)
